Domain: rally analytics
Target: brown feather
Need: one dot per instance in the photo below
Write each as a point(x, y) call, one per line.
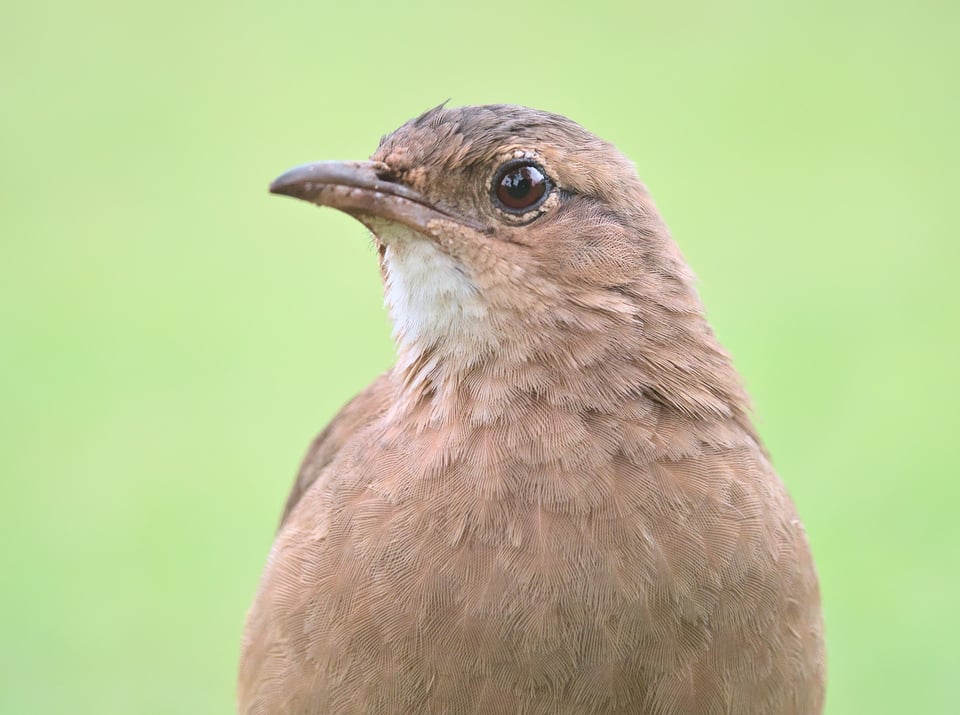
point(555, 504)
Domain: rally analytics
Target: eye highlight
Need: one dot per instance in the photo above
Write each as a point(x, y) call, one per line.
point(520, 186)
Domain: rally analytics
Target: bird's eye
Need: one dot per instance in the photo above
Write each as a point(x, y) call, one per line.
point(520, 187)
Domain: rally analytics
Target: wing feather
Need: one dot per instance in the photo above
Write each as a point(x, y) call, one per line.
point(363, 409)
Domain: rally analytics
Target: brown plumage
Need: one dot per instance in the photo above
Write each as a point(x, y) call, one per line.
point(555, 502)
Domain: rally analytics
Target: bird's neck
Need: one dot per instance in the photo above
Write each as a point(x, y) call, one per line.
point(483, 353)
point(441, 322)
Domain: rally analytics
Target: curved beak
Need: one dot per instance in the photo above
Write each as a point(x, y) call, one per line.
point(355, 187)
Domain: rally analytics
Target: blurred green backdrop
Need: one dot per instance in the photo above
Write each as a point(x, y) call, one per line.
point(171, 337)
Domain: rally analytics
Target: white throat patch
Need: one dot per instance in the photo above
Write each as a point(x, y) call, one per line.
point(431, 298)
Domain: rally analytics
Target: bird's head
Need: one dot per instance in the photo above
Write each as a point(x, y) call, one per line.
point(513, 236)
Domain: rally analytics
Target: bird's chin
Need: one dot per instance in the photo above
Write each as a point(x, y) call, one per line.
point(433, 300)
point(387, 232)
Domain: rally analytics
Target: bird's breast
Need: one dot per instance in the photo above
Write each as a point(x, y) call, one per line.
point(425, 568)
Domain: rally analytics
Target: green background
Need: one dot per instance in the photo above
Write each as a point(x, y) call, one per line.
point(171, 336)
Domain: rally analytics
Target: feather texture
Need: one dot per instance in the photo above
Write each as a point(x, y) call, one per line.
point(556, 501)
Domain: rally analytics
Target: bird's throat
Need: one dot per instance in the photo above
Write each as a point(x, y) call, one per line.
point(441, 322)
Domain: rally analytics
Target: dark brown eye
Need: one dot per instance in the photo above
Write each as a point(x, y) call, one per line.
point(520, 187)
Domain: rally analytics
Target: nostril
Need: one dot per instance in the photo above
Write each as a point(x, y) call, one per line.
point(385, 172)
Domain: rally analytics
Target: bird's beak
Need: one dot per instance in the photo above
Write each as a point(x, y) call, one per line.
point(355, 187)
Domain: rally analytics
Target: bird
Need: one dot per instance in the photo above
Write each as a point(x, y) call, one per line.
point(556, 500)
